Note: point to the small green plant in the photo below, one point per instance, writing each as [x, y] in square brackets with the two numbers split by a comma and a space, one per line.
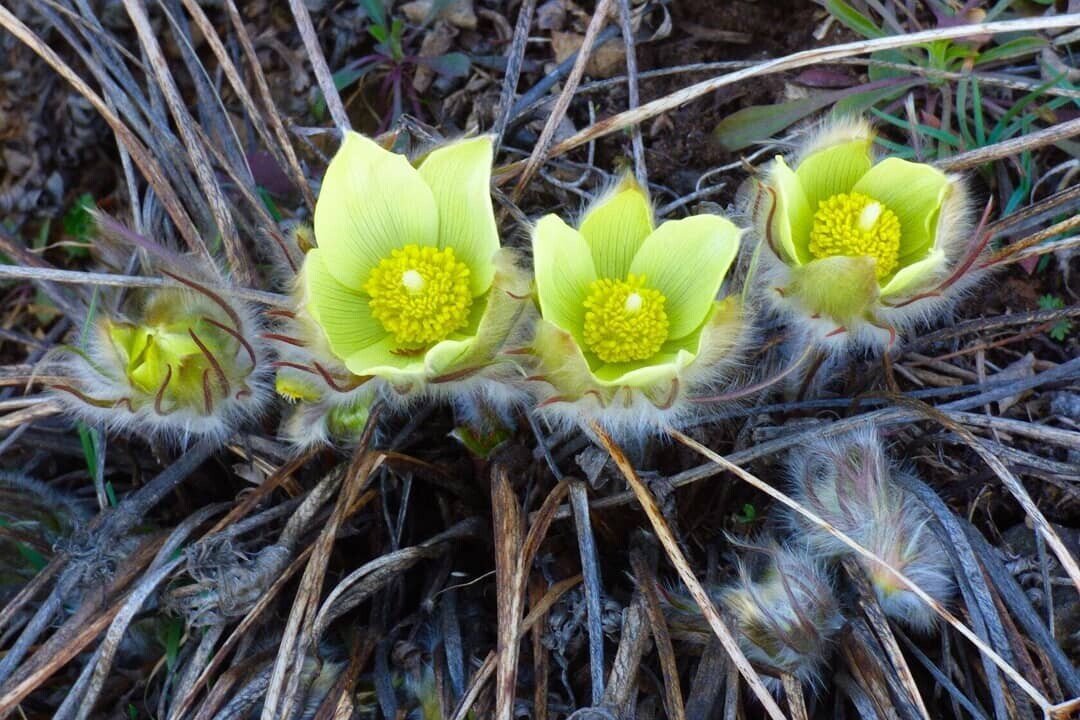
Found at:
[961, 106]
[395, 62]
[1061, 329]
[79, 225]
[748, 515]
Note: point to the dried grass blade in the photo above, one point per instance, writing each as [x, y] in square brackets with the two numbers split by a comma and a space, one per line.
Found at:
[1010, 481]
[794, 693]
[148, 165]
[204, 171]
[671, 547]
[879, 624]
[488, 667]
[590, 570]
[509, 582]
[293, 162]
[76, 277]
[296, 638]
[646, 583]
[622, 686]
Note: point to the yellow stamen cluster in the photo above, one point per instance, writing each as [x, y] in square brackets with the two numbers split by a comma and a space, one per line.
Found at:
[855, 225]
[420, 295]
[624, 320]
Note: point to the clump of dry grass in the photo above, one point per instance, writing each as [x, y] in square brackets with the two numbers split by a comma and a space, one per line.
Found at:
[417, 579]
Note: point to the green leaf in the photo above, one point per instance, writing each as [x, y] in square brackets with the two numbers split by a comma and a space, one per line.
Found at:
[78, 221]
[860, 102]
[375, 10]
[759, 122]
[896, 57]
[936, 133]
[1051, 302]
[268, 202]
[379, 32]
[1061, 329]
[853, 19]
[1018, 47]
[89, 450]
[32, 557]
[451, 65]
[748, 514]
[174, 631]
[342, 79]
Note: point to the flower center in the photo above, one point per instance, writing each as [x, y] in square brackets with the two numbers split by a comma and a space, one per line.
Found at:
[624, 320]
[420, 295]
[854, 225]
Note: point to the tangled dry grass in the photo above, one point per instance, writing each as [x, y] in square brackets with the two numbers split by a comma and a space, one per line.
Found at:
[557, 574]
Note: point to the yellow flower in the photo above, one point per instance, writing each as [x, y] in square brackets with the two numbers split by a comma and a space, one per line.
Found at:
[408, 283]
[859, 241]
[631, 308]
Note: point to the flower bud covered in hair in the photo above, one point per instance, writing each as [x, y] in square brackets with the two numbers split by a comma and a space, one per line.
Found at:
[185, 362]
[849, 483]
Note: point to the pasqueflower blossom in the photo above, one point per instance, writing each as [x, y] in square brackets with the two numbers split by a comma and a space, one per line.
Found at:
[408, 286]
[631, 324]
[856, 250]
[186, 362]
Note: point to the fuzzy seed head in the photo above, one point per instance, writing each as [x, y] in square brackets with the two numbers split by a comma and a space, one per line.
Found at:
[420, 295]
[854, 225]
[624, 320]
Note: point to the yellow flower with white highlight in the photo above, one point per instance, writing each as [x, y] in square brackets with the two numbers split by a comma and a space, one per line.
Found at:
[408, 285]
[858, 249]
[631, 324]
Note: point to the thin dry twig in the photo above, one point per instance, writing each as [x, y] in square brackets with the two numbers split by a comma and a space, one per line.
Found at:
[686, 574]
